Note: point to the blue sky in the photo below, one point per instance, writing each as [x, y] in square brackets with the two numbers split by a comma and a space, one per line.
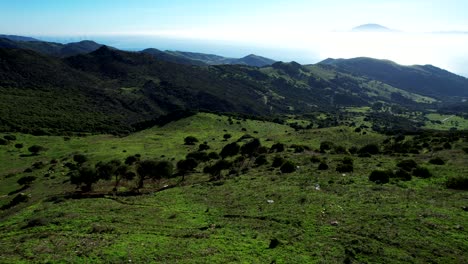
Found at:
[305, 31]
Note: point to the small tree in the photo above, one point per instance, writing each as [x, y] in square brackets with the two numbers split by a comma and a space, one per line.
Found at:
[422, 172]
[146, 168]
[277, 147]
[84, 177]
[380, 177]
[130, 160]
[203, 146]
[186, 165]
[251, 147]
[80, 158]
[226, 136]
[190, 140]
[277, 162]
[35, 149]
[26, 180]
[370, 149]
[230, 150]
[288, 167]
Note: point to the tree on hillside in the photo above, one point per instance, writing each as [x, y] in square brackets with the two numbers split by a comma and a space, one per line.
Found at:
[84, 177]
[186, 165]
[153, 169]
[230, 150]
[35, 149]
[190, 140]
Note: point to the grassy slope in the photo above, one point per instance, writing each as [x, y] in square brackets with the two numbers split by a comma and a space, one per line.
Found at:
[231, 221]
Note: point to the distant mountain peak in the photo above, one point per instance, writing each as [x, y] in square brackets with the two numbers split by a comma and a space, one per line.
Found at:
[371, 28]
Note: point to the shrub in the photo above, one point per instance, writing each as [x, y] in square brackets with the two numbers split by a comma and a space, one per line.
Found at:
[364, 155]
[407, 165]
[226, 136]
[3, 142]
[190, 140]
[203, 146]
[322, 166]
[457, 183]
[403, 175]
[465, 150]
[422, 172]
[10, 137]
[35, 149]
[230, 150]
[447, 145]
[251, 147]
[80, 158]
[261, 160]
[187, 165]
[353, 150]
[347, 160]
[326, 145]
[288, 167]
[84, 177]
[198, 156]
[380, 177]
[19, 198]
[131, 160]
[437, 161]
[277, 147]
[105, 170]
[26, 180]
[213, 155]
[315, 159]
[344, 168]
[19, 145]
[370, 148]
[277, 162]
[340, 150]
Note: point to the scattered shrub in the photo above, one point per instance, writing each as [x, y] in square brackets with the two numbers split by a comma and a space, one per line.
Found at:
[35, 149]
[437, 161]
[315, 159]
[288, 167]
[353, 150]
[370, 149]
[3, 142]
[457, 183]
[199, 156]
[407, 165]
[422, 172]
[277, 147]
[80, 158]
[10, 137]
[226, 136]
[340, 150]
[277, 162]
[261, 160]
[322, 166]
[325, 146]
[187, 165]
[130, 160]
[230, 150]
[190, 140]
[347, 160]
[344, 168]
[447, 145]
[403, 175]
[251, 147]
[380, 177]
[26, 180]
[203, 146]
[213, 155]
[19, 145]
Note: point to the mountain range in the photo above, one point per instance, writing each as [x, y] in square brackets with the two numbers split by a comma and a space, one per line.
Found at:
[113, 91]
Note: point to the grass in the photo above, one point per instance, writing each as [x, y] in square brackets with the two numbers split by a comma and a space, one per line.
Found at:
[445, 122]
[316, 216]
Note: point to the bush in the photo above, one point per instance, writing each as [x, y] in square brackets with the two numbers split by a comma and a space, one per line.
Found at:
[322, 166]
[261, 160]
[277, 147]
[80, 158]
[347, 160]
[277, 162]
[422, 172]
[380, 177]
[3, 142]
[213, 155]
[19, 198]
[353, 150]
[457, 183]
[407, 165]
[190, 140]
[203, 146]
[447, 145]
[344, 168]
[19, 145]
[403, 175]
[370, 149]
[230, 150]
[35, 149]
[10, 137]
[187, 165]
[251, 147]
[315, 159]
[288, 167]
[326, 145]
[131, 160]
[340, 150]
[199, 156]
[26, 180]
[437, 161]
[226, 136]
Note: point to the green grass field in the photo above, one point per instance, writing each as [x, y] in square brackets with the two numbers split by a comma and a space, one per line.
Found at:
[260, 216]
